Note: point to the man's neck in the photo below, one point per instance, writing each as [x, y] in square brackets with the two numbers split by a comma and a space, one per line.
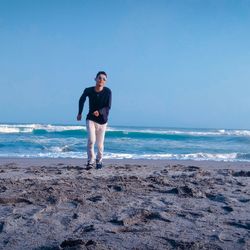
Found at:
[98, 89]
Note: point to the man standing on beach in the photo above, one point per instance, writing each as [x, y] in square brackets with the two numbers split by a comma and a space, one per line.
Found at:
[97, 118]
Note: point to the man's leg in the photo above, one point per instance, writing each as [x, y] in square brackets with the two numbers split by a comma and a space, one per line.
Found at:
[91, 141]
[100, 134]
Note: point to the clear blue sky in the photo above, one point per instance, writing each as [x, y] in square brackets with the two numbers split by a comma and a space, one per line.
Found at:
[170, 63]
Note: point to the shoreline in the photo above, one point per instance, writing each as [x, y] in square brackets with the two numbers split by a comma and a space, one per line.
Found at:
[158, 162]
[48, 203]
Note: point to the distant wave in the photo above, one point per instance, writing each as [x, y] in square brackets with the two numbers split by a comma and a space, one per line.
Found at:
[116, 131]
[218, 132]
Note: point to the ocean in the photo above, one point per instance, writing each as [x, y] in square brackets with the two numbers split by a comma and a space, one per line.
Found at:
[60, 141]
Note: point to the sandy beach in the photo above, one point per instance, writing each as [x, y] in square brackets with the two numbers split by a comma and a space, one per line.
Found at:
[129, 204]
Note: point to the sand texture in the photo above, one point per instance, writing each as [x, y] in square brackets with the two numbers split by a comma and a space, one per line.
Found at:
[58, 204]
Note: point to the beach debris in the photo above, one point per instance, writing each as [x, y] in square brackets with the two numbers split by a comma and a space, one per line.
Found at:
[72, 243]
[95, 198]
[192, 245]
[14, 200]
[85, 228]
[182, 191]
[3, 189]
[227, 209]
[239, 224]
[116, 187]
[1, 226]
[52, 200]
[241, 173]
[244, 200]
[192, 168]
[216, 197]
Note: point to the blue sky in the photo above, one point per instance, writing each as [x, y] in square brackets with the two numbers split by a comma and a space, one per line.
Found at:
[169, 63]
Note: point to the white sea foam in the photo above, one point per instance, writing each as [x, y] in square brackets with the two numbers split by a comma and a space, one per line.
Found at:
[8, 129]
[58, 153]
[46, 155]
[57, 128]
[29, 128]
[238, 132]
[58, 149]
[195, 156]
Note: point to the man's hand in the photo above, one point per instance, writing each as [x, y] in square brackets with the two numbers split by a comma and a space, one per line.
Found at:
[79, 118]
[96, 113]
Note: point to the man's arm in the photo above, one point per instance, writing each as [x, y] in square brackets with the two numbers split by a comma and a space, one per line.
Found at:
[105, 110]
[81, 104]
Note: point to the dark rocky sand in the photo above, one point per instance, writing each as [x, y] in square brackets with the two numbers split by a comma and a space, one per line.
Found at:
[58, 204]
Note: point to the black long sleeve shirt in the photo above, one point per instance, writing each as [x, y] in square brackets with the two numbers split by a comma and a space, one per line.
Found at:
[100, 101]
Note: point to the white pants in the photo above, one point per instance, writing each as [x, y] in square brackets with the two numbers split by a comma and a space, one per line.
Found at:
[96, 134]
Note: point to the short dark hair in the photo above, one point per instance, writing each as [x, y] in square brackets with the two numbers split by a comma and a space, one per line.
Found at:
[101, 73]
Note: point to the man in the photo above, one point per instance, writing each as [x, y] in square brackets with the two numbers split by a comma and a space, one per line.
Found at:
[97, 118]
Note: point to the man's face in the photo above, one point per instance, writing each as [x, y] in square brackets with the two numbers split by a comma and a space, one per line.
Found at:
[101, 80]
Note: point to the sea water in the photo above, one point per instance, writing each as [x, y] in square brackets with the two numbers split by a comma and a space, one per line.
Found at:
[59, 141]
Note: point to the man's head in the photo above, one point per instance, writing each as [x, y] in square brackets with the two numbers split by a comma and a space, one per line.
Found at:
[101, 78]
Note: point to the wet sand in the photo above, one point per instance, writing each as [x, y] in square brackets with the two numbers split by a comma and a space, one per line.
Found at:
[129, 204]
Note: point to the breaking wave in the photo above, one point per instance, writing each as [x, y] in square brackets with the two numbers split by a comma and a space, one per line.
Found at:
[112, 131]
[62, 153]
